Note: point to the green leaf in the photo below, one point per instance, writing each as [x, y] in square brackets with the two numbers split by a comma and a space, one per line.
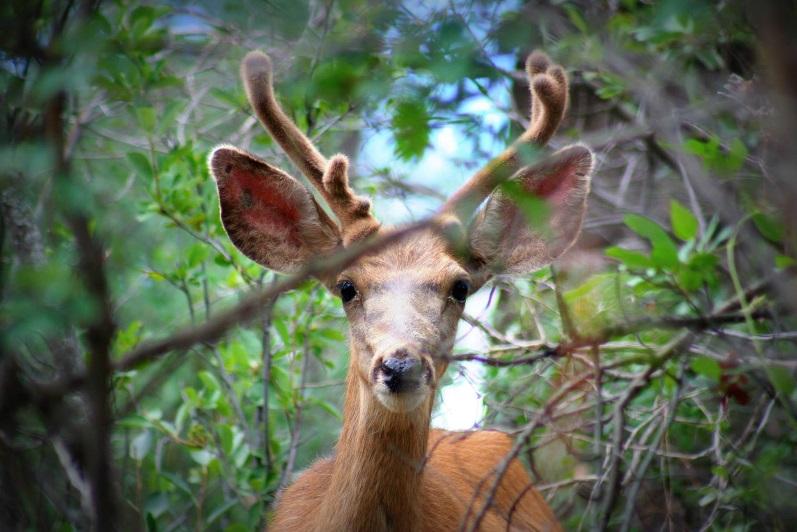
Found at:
[140, 162]
[333, 334]
[664, 252]
[700, 268]
[145, 16]
[218, 512]
[157, 504]
[783, 261]
[411, 129]
[632, 259]
[226, 438]
[152, 525]
[210, 381]
[707, 367]
[715, 157]
[201, 456]
[720, 471]
[237, 527]
[328, 408]
[707, 499]
[282, 330]
[684, 224]
[769, 228]
[576, 19]
[127, 337]
[179, 483]
[598, 303]
[782, 380]
[196, 254]
[736, 155]
[155, 276]
[535, 210]
[700, 148]
[147, 118]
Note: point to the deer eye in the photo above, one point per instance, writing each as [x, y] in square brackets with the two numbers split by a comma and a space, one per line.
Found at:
[347, 291]
[460, 291]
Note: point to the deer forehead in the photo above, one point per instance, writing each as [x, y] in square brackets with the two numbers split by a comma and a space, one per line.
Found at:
[403, 300]
[421, 261]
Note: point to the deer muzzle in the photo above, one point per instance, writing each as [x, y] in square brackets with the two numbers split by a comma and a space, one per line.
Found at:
[401, 374]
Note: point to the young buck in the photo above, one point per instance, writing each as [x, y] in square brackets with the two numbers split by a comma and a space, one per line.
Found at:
[390, 470]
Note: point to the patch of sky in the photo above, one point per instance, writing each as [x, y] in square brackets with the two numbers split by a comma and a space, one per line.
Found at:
[448, 161]
[459, 404]
[189, 23]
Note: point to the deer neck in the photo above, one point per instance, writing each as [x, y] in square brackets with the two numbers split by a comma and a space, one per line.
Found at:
[375, 483]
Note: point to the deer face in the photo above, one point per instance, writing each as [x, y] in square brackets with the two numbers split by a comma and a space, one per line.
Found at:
[403, 301]
[403, 305]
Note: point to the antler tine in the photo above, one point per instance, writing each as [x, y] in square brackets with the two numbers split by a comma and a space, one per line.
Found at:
[548, 86]
[549, 98]
[353, 211]
[329, 177]
[256, 72]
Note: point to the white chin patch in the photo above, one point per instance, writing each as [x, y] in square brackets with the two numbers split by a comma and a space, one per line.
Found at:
[401, 403]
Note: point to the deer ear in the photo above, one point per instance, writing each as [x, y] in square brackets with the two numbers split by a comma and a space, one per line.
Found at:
[272, 218]
[500, 237]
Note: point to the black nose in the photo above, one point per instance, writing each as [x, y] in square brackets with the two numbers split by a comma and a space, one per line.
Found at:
[401, 373]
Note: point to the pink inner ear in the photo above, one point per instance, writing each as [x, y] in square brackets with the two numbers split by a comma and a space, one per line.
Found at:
[263, 205]
[555, 185]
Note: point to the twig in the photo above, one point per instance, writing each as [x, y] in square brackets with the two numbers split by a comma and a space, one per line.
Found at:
[625, 522]
[566, 482]
[521, 440]
[499, 363]
[266, 361]
[630, 327]
[665, 354]
[296, 430]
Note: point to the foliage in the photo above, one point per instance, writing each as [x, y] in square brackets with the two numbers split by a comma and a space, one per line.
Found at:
[670, 323]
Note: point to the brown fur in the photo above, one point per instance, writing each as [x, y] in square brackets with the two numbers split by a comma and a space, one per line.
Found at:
[456, 464]
[393, 473]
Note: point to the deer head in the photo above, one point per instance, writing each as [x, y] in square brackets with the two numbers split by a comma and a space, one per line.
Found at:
[403, 301]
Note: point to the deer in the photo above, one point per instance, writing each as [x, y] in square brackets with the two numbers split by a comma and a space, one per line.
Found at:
[390, 470]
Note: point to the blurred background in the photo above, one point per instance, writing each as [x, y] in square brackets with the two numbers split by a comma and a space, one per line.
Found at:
[666, 399]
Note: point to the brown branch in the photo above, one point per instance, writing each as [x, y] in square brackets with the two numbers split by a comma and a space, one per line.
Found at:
[547, 352]
[633, 326]
[99, 333]
[248, 309]
[266, 360]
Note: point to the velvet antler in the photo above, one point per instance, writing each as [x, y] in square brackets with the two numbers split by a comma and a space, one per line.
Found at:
[548, 85]
[329, 177]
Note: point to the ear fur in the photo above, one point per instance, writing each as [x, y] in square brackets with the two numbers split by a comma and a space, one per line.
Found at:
[500, 238]
[272, 218]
